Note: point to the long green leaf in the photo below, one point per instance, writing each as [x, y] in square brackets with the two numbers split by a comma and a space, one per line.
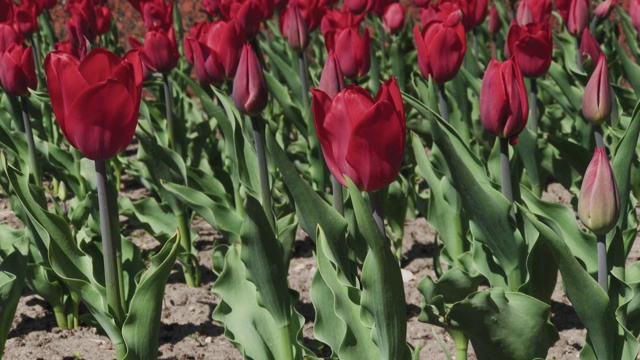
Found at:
[13, 269]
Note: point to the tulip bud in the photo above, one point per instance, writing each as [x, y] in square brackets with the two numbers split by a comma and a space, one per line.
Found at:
[524, 16]
[294, 28]
[393, 18]
[589, 48]
[249, 86]
[634, 14]
[17, 70]
[598, 96]
[441, 47]
[604, 9]
[599, 202]
[352, 49]
[575, 14]
[8, 36]
[332, 79]
[494, 20]
[532, 47]
[504, 107]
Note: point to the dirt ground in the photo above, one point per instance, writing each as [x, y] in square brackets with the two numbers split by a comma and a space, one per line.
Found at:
[189, 333]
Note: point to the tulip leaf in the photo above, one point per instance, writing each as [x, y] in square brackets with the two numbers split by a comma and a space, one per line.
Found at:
[571, 93]
[13, 271]
[383, 303]
[630, 33]
[290, 110]
[528, 152]
[631, 69]
[141, 328]
[147, 214]
[289, 73]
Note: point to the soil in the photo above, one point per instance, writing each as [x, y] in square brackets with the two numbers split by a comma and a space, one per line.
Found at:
[189, 333]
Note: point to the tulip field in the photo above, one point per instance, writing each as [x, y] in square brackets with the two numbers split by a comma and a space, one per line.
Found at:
[319, 179]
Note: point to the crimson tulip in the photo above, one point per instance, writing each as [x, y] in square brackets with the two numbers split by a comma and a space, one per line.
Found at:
[494, 20]
[504, 107]
[157, 14]
[598, 95]
[604, 8]
[531, 45]
[312, 11]
[26, 17]
[393, 18]
[96, 101]
[441, 47]
[6, 11]
[294, 28]
[250, 92]
[575, 14]
[361, 137]
[589, 47]
[533, 11]
[335, 20]
[447, 12]
[352, 50]
[160, 51]
[17, 70]
[474, 11]
[8, 36]
[356, 6]
[332, 79]
[599, 201]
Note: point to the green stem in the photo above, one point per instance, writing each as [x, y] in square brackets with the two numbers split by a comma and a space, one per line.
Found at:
[533, 106]
[285, 338]
[597, 133]
[442, 97]
[33, 162]
[376, 210]
[461, 342]
[302, 66]
[337, 195]
[191, 273]
[505, 170]
[265, 192]
[171, 126]
[602, 263]
[112, 283]
[61, 317]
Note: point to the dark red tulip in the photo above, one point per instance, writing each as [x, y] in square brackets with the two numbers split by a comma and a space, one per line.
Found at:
[25, 16]
[6, 11]
[589, 48]
[441, 47]
[356, 6]
[68, 48]
[575, 14]
[597, 100]
[250, 92]
[160, 51]
[157, 14]
[494, 20]
[474, 11]
[352, 50]
[8, 36]
[447, 12]
[533, 11]
[336, 19]
[531, 45]
[332, 79]
[394, 17]
[312, 11]
[215, 53]
[504, 107]
[17, 70]
[103, 20]
[294, 28]
[96, 101]
[361, 137]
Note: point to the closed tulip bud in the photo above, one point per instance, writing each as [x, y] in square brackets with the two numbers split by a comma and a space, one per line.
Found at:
[599, 202]
[589, 49]
[353, 51]
[598, 96]
[533, 11]
[8, 36]
[604, 9]
[393, 18]
[575, 14]
[504, 107]
[294, 28]
[361, 137]
[532, 47]
[332, 79]
[494, 20]
[160, 51]
[17, 70]
[441, 47]
[249, 86]
[96, 101]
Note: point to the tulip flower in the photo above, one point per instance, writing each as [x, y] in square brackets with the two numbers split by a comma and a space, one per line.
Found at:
[356, 6]
[312, 11]
[361, 137]
[589, 48]
[335, 20]
[26, 17]
[533, 11]
[160, 51]
[494, 20]
[441, 47]
[294, 28]
[474, 11]
[504, 107]
[393, 18]
[604, 8]
[599, 202]
[598, 95]
[17, 70]
[6, 11]
[352, 50]
[575, 14]
[8, 36]
[446, 12]
[96, 101]
[332, 79]
[532, 46]
[634, 14]
[157, 14]
[249, 86]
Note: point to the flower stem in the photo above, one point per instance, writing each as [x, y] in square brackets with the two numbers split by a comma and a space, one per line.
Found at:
[597, 133]
[109, 251]
[33, 162]
[265, 192]
[337, 195]
[444, 109]
[168, 99]
[533, 106]
[302, 66]
[376, 209]
[602, 263]
[461, 342]
[505, 170]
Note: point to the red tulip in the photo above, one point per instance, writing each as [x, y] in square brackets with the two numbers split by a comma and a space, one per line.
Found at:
[361, 137]
[504, 107]
[157, 14]
[494, 20]
[575, 14]
[474, 11]
[96, 101]
[17, 70]
[533, 11]
[634, 13]
[447, 12]
[216, 52]
[103, 20]
[68, 48]
[599, 201]
[356, 6]
[6, 11]
[250, 92]
[294, 28]
[394, 17]
[332, 79]
[598, 95]
[8, 36]
[335, 20]
[26, 17]
[531, 45]
[589, 47]
[604, 8]
[160, 51]
[441, 47]
[312, 11]
[352, 50]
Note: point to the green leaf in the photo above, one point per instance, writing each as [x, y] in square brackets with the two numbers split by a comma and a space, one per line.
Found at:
[13, 270]
[630, 68]
[154, 218]
[141, 328]
[383, 303]
[573, 94]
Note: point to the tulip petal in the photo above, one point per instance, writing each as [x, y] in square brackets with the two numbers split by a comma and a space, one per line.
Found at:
[64, 82]
[450, 52]
[423, 52]
[98, 66]
[321, 105]
[493, 99]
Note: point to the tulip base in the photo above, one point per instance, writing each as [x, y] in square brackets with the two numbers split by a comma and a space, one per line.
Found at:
[602, 263]
[376, 210]
[597, 134]
[461, 342]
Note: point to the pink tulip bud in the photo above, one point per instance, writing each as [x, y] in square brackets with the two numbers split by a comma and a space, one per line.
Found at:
[332, 79]
[294, 28]
[494, 20]
[394, 16]
[598, 96]
[249, 86]
[604, 9]
[589, 48]
[599, 202]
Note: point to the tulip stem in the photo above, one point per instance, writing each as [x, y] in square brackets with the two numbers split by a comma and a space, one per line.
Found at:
[168, 99]
[265, 192]
[337, 195]
[444, 109]
[304, 84]
[602, 263]
[533, 106]
[33, 162]
[506, 171]
[109, 251]
[376, 210]
[597, 133]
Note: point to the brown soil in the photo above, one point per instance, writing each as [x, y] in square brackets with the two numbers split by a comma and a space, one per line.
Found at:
[189, 333]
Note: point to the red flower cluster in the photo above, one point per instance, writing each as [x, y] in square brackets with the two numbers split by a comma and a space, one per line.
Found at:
[160, 50]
